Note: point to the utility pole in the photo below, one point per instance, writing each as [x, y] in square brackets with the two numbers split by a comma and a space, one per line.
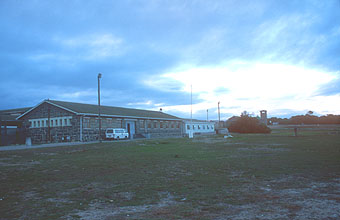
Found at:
[100, 122]
[219, 118]
[191, 132]
[207, 115]
[191, 105]
[49, 124]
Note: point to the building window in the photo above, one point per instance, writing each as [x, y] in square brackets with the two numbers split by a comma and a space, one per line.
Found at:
[109, 121]
[193, 127]
[34, 124]
[149, 124]
[61, 122]
[30, 124]
[203, 127]
[172, 125]
[188, 127]
[38, 124]
[178, 124]
[86, 123]
[47, 124]
[69, 122]
[51, 123]
[155, 124]
[56, 122]
[42, 123]
[141, 124]
[65, 122]
[198, 127]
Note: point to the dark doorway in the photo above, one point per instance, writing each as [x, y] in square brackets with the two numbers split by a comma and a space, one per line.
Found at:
[128, 129]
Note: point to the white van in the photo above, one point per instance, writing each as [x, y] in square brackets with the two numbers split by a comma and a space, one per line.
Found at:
[116, 133]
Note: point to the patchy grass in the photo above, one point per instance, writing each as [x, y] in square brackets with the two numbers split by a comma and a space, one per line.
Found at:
[264, 176]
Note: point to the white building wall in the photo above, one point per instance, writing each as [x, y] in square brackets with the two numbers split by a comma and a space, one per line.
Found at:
[199, 127]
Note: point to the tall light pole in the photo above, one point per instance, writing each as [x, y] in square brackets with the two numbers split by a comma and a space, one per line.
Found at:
[191, 132]
[219, 118]
[99, 119]
[191, 106]
[207, 114]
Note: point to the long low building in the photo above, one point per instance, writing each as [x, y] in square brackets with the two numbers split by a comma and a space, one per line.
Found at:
[198, 126]
[58, 121]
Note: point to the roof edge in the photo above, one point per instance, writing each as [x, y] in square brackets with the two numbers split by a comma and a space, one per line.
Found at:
[45, 101]
[123, 116]
[92, 114]
[62, 107]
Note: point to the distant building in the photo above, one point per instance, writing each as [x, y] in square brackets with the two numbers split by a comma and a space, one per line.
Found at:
[11, 130]
[58, 121]
[263, 116]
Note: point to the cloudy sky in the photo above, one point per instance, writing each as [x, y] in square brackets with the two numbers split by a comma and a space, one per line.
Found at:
[282, 56]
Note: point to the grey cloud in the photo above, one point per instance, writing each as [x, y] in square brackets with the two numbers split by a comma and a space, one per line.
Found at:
[156, 36]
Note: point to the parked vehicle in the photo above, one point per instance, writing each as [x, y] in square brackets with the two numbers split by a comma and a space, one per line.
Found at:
[116, 133]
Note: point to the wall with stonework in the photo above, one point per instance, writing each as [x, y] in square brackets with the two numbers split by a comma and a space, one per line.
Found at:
[90, 126]
[57, 133]
[159, 128]
[146, 128]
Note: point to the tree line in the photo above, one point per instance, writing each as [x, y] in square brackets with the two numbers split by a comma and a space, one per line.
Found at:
[247, 124]
[307, 119]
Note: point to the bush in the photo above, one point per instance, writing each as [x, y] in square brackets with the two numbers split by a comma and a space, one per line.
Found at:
[246, 124]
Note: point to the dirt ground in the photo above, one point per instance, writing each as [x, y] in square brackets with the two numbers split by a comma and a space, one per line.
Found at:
[210, 177]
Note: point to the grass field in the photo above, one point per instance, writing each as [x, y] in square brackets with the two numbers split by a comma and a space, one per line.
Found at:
[273, 176]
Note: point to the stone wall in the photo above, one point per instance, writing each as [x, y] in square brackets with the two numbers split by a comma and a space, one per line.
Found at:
[58, 133]
[147, 128]
[159, 128]
[90, 126]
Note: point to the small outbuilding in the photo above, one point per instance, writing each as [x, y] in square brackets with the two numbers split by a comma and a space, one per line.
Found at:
[198, 126]
[12, 130]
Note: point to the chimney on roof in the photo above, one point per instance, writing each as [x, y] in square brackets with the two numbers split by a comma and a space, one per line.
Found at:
[160, 109]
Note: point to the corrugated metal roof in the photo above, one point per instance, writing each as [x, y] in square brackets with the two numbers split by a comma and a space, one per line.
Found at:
[14, 111]
[90, 109]
[197, 120]
[11, 114]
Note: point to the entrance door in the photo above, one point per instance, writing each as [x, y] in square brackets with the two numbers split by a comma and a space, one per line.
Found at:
[130, 127]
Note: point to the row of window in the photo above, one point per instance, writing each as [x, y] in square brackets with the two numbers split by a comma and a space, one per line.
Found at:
[88, 123]
[199, 127]
[53, 122]
[156, 124]
[91, 122]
